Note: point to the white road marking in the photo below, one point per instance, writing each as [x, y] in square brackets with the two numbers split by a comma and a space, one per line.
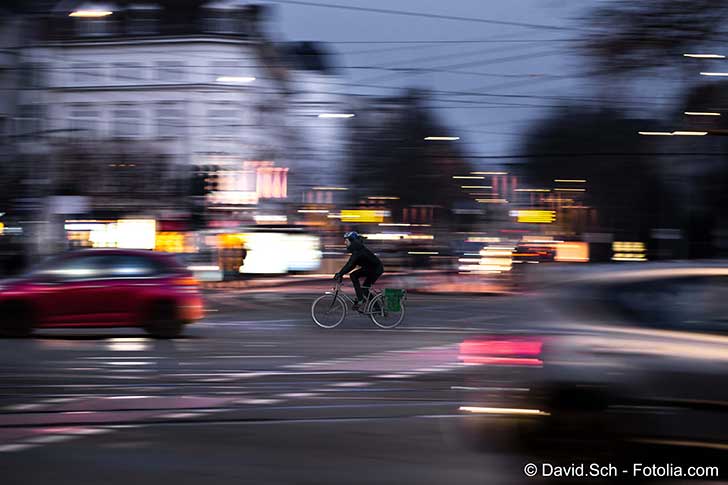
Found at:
[258, 401]
[351, 384]
[248, 322]
[53, 438]
[430, 370]
[16, 447]
[423, 360]
[180, 415]
[89, 431]
[136, 357]
[23, 407]
[255, 357]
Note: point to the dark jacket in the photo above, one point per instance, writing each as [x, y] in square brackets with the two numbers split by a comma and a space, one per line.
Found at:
[363, 257]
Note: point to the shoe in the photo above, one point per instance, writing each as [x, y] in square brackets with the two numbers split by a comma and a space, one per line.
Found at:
[358, 306]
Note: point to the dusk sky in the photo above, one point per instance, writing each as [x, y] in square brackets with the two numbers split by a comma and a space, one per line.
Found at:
[514, 60]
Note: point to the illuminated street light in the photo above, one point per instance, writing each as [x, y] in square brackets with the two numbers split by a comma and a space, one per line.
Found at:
[235, 79]
[714, 73]
[90, 13]
[705, 56]
[468, 177]
[489, 173]
[476, 186]
[336, 115]
[570, 181]
[491, 201]
[442, 138]
[674, 133]
[701, 113]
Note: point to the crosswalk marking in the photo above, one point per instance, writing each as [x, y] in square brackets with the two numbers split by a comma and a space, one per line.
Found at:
[423, 360]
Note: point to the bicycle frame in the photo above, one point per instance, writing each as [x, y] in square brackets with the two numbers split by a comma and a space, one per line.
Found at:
[337, 293]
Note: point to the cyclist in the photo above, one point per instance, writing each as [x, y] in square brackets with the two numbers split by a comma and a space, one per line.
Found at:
[370, 267]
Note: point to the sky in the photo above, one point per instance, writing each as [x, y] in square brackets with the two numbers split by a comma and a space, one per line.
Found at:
[515, 60]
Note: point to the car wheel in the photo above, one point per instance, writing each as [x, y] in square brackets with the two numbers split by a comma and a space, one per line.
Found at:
[163, 321]
[579, 421]
[16, 320]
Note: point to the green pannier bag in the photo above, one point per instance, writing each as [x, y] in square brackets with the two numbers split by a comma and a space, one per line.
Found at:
[393, 298]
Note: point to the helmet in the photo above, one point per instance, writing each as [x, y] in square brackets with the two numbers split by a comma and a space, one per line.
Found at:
[352, 236]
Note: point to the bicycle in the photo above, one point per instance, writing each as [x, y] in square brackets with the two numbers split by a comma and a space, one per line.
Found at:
[331, 308]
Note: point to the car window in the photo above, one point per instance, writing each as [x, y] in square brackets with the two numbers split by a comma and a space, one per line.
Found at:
[130, 266]
[73, 268]
[694, 304]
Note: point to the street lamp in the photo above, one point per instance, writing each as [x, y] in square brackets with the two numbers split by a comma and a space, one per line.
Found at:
[90, 13]
[235, 79]
[336, 115]
[701, 113]
[442, 138]
[705, 56]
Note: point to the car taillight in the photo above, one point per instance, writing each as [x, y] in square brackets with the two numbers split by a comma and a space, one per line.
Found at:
[502, 351]
[185, 281]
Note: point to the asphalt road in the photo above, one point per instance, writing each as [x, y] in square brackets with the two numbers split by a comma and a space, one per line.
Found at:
[253, 394]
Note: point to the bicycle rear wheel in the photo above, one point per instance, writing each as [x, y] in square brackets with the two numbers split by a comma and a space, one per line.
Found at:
[382, 317]
[328, 311]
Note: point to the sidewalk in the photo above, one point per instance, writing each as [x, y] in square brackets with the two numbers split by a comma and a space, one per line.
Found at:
[420, 281]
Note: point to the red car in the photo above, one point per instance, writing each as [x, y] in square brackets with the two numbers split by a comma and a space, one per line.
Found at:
[102, 288]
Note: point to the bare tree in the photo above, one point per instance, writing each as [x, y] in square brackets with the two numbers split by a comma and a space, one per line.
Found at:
[632, 35]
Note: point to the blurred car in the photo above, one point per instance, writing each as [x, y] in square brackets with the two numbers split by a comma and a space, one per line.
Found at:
[625, 362]
[102, 288]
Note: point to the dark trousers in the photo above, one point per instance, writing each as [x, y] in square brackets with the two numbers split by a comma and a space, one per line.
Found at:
[369, 275]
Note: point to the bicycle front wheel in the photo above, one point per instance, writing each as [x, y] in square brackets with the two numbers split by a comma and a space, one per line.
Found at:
[328, 311]
[382, 317]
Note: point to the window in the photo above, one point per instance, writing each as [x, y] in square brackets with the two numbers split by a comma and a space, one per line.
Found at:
[222, 21]
[125, 72]
[127, 122]
[170, 120]
[694, 303]
[129, 266]
[223, 121]
[143, 20]
[87, 73]
[84, 120]
[92, 27]
[32, 75]
[170, 71]
[72, 269]
[29, 120]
